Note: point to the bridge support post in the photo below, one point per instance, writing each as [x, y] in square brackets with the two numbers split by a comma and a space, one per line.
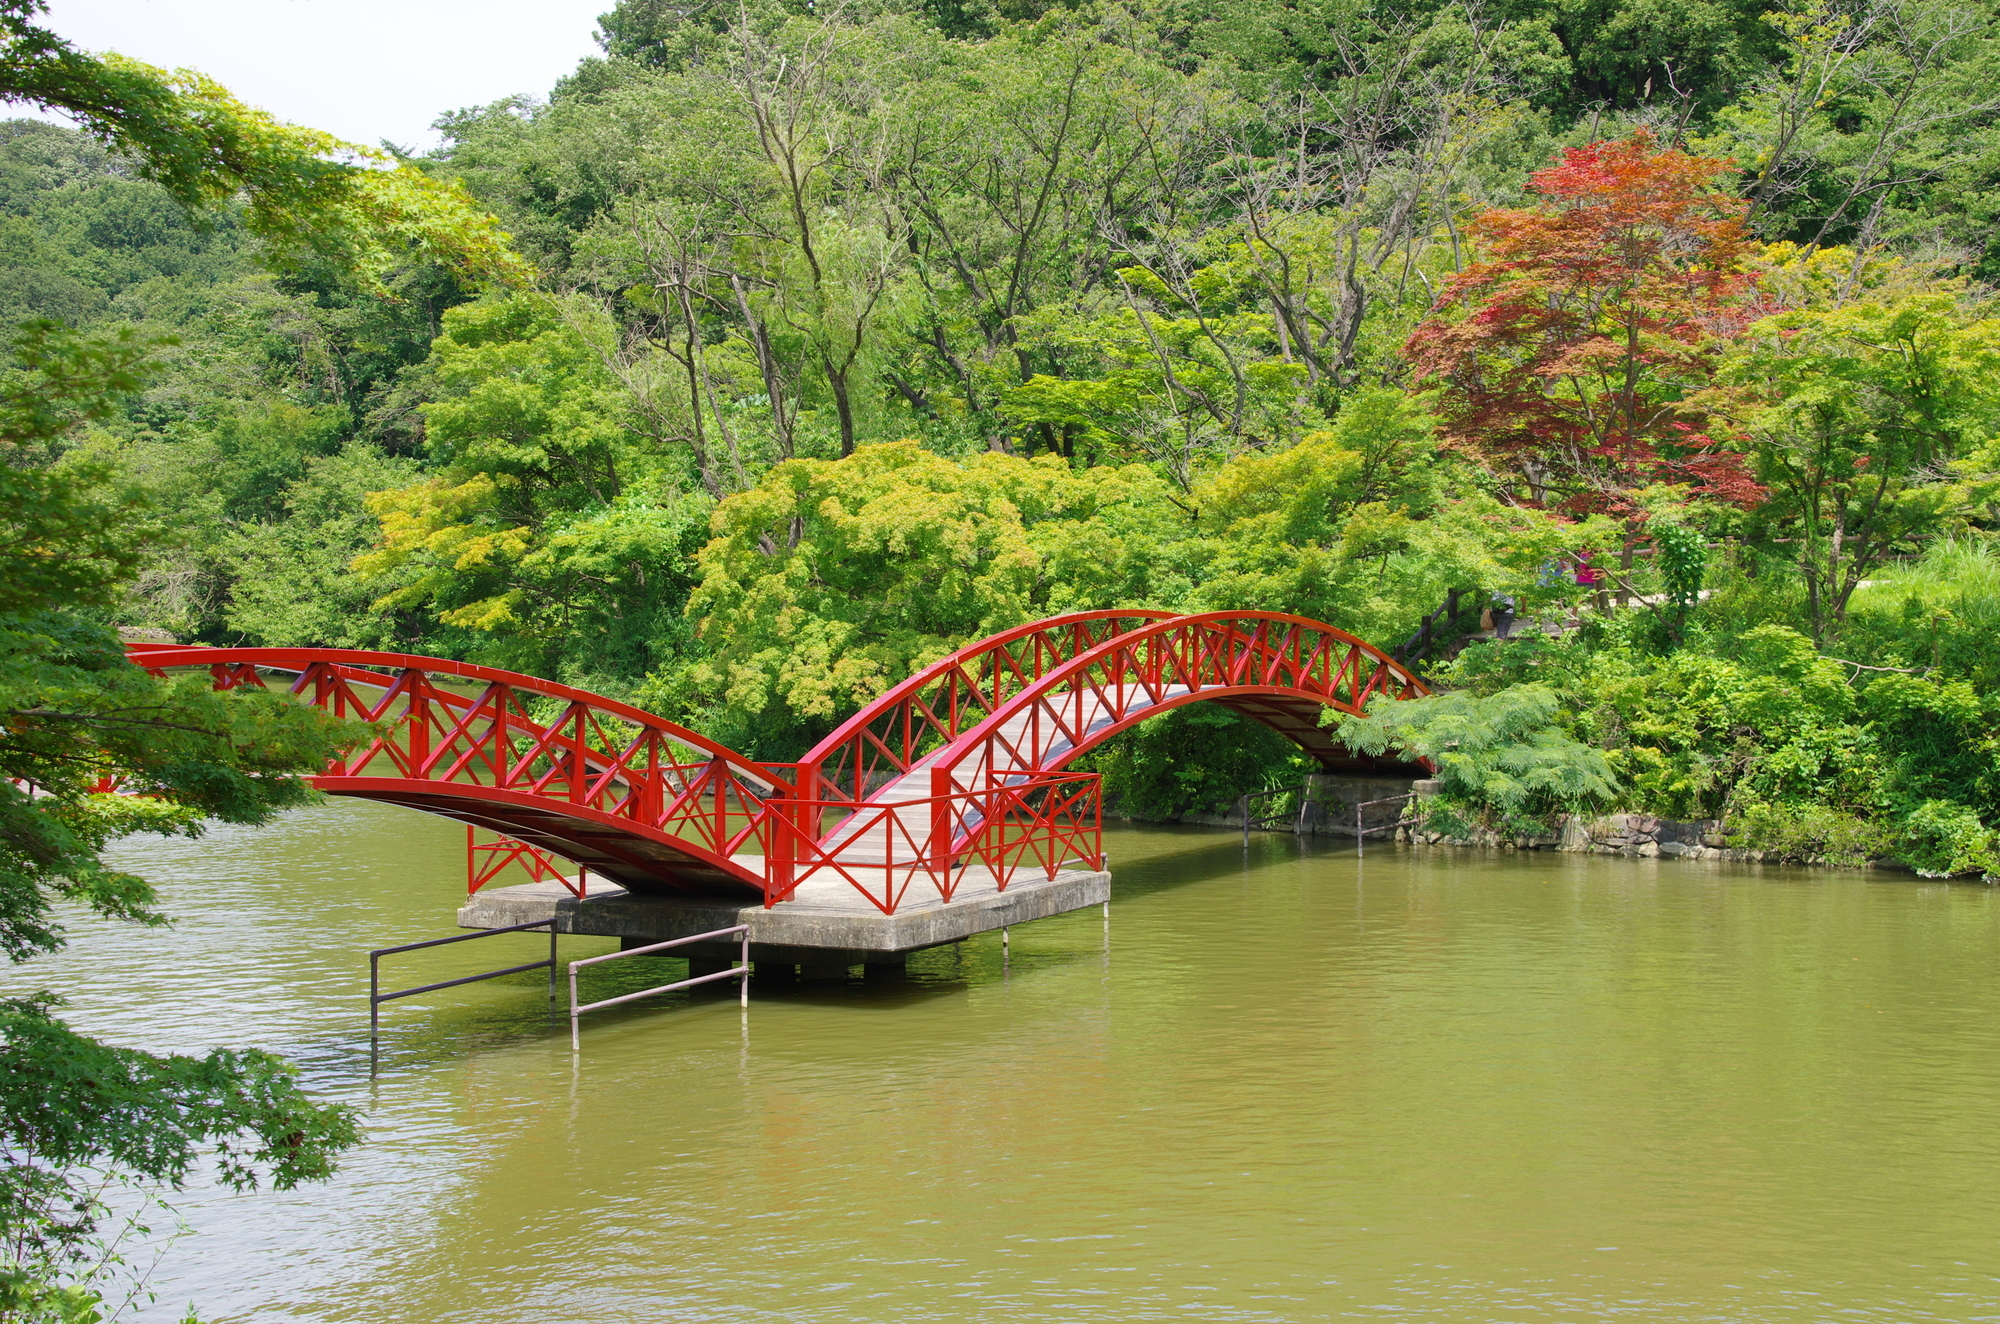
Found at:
[940, 843]
[783, 845]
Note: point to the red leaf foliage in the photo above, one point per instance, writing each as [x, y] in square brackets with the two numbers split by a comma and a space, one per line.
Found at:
[1569, 352]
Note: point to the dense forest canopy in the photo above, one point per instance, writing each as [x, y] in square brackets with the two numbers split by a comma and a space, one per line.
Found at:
[856, 332]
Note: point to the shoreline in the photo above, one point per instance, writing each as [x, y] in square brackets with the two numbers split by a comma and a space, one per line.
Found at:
[1634, 835]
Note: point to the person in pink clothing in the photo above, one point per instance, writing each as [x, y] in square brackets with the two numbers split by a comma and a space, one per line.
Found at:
[1589, 577]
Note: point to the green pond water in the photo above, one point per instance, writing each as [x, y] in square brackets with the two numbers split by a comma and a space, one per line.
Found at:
[1279, 1084]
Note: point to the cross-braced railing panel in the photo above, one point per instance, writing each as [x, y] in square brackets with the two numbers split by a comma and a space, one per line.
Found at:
[1141, 672]
[486, 860]
[882, 850]
[925, 713]
[477, 733]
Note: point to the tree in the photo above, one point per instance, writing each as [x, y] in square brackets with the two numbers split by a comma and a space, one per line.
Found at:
[1368, 524]
[1877, 127]
[76, 716]
[836, 253]
[79, 723]
[1568, 354]
[829, 581]
[1339, 187]
[306, 192]
[1686, 57]
[1871, 425]
[73, 1111]
[1018, 163]
[545, 515]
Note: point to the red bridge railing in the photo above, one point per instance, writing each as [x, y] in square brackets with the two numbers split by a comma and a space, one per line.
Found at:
[1283, 670]
[627, 794]
[881, 849]
[957, 769]
[552, 768]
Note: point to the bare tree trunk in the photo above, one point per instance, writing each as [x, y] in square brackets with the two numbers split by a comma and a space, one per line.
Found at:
[767, 368]
[836, 380]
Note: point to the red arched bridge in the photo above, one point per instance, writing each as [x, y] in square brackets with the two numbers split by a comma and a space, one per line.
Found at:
[960, 766]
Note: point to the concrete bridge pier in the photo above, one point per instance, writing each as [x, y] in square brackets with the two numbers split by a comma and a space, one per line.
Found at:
[786, 964]
[822, 934]
[823, 968]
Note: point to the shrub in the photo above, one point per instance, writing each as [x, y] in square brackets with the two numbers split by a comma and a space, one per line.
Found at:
[1810, 833]
[1942, 840]
[1503, 750]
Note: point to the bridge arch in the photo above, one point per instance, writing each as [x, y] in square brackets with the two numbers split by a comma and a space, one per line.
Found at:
[893, 733]
[1278, 669]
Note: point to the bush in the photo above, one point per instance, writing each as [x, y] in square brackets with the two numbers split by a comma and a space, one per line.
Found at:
[1503, 751]
[1942, 840]
[1809, 833]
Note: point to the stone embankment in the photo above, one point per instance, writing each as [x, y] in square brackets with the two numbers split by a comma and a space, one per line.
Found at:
[1326, 808]
[1638, 835]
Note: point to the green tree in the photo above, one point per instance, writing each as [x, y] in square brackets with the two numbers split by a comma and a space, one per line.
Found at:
[307, 192]
[76, 716]
[1872, 426]
[1368, 524]
[545, 522]
[1571, 57]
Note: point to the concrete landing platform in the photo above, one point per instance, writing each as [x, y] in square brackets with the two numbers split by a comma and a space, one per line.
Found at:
[825, 923]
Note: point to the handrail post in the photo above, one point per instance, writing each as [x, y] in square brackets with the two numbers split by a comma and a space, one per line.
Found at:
[940, 851]
[781, 848]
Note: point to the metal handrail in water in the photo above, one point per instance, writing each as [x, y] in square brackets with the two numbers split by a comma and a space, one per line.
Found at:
[376, 997]
[741, 972]
[1360, 833]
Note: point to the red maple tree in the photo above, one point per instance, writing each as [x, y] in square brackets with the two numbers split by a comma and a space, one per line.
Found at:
[1569, 353]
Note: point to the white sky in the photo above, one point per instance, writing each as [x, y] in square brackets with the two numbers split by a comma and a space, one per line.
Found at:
[363, 70]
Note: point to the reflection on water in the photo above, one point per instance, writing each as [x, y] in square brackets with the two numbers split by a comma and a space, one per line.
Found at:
[1277, 1086]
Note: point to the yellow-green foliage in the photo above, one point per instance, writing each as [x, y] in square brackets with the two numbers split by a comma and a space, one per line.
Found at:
[831, 580]
[1367, 526]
